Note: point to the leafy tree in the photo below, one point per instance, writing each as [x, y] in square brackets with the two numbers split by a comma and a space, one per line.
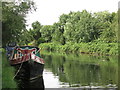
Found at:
[78, 27]
[25, 38]
[58, 36]
[109, 26]
[46, 32]
[36, 30]
[13, 20]
[86, 27]
[81, 27]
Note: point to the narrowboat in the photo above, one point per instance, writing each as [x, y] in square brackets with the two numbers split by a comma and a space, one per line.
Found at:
[28, 64]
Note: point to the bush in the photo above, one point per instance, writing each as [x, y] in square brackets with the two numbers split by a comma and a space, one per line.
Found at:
[91, 47]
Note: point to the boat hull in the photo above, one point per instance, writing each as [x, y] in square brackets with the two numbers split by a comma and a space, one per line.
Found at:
[28, 65]
[30, 75]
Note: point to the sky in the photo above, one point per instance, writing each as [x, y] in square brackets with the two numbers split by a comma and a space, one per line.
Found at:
[49, 11]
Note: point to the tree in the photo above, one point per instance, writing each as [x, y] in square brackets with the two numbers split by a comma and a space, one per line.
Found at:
[25, 38]
[81, 27]
[36, 30]
[13, 20]
[110, 32]
[46, 32]
[57, 35]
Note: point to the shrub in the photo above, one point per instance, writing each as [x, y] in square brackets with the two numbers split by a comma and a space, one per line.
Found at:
[91, 47]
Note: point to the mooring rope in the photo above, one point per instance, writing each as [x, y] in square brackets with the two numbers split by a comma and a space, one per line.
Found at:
[18, 70]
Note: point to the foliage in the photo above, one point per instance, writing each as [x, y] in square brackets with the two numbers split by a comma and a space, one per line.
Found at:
[74, 32]
[13, 20]
[24, 38]
[57, 35]
[85, 32]
[7, 74]
[46, 32]
[35, 33]
[82, 26]
[36, 30]
[109, 25]
[97, 48]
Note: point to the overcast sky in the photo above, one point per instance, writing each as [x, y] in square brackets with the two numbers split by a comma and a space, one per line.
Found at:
[48, 11]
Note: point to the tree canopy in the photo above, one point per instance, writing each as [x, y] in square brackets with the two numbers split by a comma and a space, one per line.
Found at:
[74, 27]
[84, 26]
[13, 20]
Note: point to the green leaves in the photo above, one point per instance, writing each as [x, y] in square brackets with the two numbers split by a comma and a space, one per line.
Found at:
[78, 27]
[46, 32]
[13, 20]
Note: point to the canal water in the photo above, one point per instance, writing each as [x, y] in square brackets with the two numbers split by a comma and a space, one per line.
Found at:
[79, 71]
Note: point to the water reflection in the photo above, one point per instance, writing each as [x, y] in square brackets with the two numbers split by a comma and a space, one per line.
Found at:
[80, 71]
[50, 79]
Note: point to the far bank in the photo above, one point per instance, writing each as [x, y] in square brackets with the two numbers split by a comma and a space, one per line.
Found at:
[95, 48]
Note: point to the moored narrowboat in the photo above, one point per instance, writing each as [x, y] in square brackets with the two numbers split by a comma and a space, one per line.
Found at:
[28, 64]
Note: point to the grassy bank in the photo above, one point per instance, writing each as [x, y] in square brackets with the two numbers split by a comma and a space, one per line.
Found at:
[99, 48]
[7, 74]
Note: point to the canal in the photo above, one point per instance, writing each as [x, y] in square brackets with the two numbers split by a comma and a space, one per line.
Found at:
[75, 71]
[80, 71]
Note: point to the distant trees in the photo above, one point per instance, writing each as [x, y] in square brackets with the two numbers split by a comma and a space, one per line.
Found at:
[46, 32]
[108, 25]
[58, 35]
[80, 27]
[77, 27]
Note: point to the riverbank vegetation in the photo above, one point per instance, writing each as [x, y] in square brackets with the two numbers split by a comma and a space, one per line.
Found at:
[99, 48]
[7, 74]
[83, 32]
[13, 30]
[76, 32]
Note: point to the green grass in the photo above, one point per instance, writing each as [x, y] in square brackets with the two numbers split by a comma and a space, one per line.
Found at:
[7, 74]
